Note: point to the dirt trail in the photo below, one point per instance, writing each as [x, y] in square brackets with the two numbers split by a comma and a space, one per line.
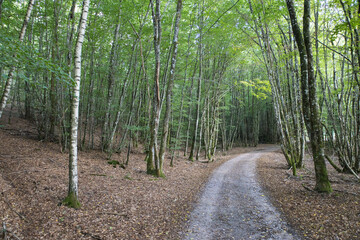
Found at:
[233, 205]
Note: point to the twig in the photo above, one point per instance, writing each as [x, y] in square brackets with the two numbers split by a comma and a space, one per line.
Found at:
[91, 235]
[221, 16]
[306, 187]
[4, 231]
[14, 235]
[21, 216]
[95, 174]
[334, 51]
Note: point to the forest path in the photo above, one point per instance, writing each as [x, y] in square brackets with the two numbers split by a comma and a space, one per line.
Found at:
[233, 205]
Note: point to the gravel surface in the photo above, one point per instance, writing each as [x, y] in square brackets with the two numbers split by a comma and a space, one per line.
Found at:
[233, 205]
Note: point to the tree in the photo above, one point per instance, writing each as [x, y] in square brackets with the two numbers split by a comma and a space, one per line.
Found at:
[198, 92]
[9, 80]
[73, 191]
[309, 98]
[106, 142]
[170, 83]
[153, 155]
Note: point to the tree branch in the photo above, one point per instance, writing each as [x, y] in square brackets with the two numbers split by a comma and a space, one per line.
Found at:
[334, 50]
[221, 17]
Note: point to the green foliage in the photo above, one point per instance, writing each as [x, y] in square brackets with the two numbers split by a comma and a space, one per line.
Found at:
[14, 53]
[114, 163]
[136, 128]
[259, 88]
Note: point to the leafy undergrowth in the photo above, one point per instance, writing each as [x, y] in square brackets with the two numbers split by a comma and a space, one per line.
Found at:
[313, 215]
[116, 203]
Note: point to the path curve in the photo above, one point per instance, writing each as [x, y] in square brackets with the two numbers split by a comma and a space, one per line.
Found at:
[233, 205]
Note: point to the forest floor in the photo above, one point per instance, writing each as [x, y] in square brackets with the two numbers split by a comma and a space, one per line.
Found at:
[129, 204]
[116, 203]
[313, 215]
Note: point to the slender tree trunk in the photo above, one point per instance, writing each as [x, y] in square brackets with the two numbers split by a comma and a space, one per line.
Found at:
[198, 96]
[189, 113]
[90, 103]
[134, 94]
[27, 85]
[9, 80]
[153, 155]
[309, 98]
[72, 199]
[110, 140]
[170, 83]
[111, 82]
[54, 57]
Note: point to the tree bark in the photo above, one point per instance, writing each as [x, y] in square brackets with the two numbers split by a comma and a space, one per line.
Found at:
[309, 98]
[198, 95]
[153, 155]
[72, 199]
[111, 82]
[55, 57]
[170, 83]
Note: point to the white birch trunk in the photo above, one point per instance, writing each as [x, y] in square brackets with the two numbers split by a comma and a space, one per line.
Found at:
[9, 80]
[73, 172]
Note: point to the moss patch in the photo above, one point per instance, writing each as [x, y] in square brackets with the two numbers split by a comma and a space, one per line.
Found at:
[72, 201]
[114, 163]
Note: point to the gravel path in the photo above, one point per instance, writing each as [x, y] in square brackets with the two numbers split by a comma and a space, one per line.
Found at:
[233, 205]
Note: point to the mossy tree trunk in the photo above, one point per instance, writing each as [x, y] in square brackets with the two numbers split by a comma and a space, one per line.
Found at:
[152, 157]
[309, 98]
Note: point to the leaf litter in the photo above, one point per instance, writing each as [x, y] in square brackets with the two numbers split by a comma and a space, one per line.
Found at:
[116, 203]
[314, 215]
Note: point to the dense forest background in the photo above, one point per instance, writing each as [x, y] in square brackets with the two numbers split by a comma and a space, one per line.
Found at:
[187, 77]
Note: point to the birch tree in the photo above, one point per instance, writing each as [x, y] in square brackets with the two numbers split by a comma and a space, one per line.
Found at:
[73, 191]
[9, 80]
